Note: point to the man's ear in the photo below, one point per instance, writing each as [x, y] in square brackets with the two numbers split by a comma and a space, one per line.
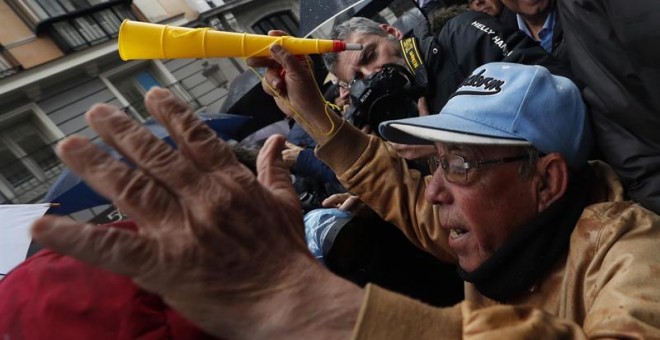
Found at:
[391, 30]
[553, 175]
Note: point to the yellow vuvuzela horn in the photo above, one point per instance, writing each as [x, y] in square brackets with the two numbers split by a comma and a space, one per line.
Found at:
[141, 40]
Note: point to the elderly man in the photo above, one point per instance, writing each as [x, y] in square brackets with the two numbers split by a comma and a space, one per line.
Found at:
[544, 239]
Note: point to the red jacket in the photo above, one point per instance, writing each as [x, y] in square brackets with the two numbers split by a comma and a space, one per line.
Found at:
[51, 296]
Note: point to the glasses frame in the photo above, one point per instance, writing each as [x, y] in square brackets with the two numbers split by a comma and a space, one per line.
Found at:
[455, 177]
[346, 85]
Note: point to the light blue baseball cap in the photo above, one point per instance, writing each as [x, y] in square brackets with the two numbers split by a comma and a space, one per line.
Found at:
[506, 104]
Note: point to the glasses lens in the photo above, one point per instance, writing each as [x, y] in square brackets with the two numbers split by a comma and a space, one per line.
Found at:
[454, 168]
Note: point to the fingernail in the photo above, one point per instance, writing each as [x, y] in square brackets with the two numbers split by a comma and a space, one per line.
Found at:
[71, 145]
[275, 48]
[100, 113]
[158, 93]
[42, 225]
[275, 84]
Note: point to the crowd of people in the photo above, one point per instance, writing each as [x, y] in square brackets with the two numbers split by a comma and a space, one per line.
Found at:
[541, 186]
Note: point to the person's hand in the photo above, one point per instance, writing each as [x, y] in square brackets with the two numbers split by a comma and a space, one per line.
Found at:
[344, 201]
[223, 248]
[290, 154]
[296, 93]
[422, 107]
[412, 152]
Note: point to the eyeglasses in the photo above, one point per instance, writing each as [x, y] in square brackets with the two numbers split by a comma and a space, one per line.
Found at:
[346, 85]
[455, 168]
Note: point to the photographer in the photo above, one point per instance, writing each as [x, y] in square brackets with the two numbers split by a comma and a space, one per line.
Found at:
[392, 72]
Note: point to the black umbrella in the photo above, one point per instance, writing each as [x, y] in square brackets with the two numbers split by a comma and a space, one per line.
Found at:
[313, 13]
[246, 97]
[73, 194]
[318, 16]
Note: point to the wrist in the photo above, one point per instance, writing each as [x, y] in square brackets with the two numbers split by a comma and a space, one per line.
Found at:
[321, 123]
[302, 300]
[313, 304]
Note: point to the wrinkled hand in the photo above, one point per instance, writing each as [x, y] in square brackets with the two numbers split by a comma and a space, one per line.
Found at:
[296, 94]
[290, 154]
[412, 152]
[222, 247]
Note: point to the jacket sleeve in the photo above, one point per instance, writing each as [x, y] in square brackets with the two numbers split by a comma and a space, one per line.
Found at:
[307, 165]
[363, 163]
[388, 315]
[621, 277]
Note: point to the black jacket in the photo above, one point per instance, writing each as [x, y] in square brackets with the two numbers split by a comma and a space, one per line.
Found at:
[468, 41]
[614, 47]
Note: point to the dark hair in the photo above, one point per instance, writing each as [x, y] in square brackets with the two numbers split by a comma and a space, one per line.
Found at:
[439, 16]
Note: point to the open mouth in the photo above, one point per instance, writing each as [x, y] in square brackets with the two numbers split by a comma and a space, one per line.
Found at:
[455, 233]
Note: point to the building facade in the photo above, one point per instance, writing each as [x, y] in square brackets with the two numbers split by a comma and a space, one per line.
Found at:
[58, 57]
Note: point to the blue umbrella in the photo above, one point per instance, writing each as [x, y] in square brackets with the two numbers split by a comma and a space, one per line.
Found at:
[73, 194]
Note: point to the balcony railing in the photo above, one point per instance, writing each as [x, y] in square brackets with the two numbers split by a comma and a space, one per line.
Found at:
[39, 15]
[20, 186]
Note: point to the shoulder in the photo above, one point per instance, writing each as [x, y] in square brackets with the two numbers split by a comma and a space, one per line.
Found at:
[616, 227]
[611, 219]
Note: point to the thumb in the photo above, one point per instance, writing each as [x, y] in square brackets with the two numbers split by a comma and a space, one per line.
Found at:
[117, 250]
[272, 172]
[276, 33]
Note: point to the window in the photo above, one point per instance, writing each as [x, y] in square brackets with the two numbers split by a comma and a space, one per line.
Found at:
[109, 21]
[88, 30]
[284, 21]
[53, 8]
[67, 37]
[28, 164]
[74, 24]
[131, 82]
[72, 5]
[48, 9]
[133, 87]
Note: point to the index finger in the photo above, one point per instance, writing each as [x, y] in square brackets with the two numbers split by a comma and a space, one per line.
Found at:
[262, 62]
[293, 66]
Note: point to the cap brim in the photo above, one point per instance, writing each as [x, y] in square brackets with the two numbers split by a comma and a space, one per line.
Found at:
[426, 130]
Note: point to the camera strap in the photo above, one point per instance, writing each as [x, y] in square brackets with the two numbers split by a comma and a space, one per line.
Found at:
[414, 61]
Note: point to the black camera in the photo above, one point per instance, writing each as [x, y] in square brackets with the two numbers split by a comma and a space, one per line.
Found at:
[390, 93]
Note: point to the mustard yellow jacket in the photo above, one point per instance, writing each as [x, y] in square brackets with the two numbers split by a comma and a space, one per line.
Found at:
[607, 287]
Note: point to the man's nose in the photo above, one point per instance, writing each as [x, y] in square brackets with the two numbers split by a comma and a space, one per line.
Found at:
[436, 190]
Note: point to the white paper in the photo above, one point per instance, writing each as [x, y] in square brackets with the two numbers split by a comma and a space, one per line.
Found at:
[15, 222]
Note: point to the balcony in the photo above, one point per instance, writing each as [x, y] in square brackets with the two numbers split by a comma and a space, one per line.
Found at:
[28, 164]
[39, 15]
